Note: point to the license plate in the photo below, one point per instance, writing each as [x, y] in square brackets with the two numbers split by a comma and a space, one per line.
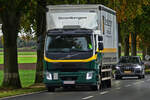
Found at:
[69, 82]
[127, 72]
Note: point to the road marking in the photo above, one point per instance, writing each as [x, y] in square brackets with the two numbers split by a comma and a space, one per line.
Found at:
[148, 80]
[118, 88]
[5, 98]
[102, 93]
[87, 97]
[142, 81]
[128, 85]
[136, 83]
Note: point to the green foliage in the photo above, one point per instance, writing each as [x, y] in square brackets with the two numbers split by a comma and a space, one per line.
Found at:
[144, 27]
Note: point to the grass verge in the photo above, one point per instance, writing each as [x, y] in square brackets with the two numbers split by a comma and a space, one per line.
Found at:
[23, 57]
[147, 71]
[31, 89]
[22, 53]
[27, 77]
[22, 60]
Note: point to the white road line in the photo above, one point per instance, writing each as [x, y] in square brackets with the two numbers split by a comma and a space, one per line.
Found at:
[148, 80]
[118, 88]
[128, 85]
[102, 93]
[87, 97]
[142, 81]
[136, 83]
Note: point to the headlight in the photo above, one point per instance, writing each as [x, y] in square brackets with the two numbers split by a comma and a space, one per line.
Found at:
[48, 76]
[89, 75]
[139, 67]
[117, 67]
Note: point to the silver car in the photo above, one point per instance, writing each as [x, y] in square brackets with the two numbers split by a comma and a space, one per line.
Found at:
[130, 66]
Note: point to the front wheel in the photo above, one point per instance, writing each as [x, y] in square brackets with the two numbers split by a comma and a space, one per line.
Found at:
[98, 84]
[51, 89]
[117, 77]
[96, 87]
[143, 76]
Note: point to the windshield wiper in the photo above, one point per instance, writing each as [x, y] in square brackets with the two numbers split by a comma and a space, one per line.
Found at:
[57, 50]
[79, 50]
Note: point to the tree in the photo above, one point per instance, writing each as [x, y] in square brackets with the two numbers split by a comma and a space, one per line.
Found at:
[40, 33]
[143, 29]
[10, 14]
[126, 13]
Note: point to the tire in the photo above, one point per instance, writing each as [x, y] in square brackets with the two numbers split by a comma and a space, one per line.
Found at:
[143, 76]
[139, 77]
[117, 77]
[96, 87]
[51, 89]
[109, 83]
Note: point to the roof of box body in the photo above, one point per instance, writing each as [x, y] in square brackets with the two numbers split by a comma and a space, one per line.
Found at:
[63, 7]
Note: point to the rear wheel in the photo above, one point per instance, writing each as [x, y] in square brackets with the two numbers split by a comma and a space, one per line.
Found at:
[109, 83]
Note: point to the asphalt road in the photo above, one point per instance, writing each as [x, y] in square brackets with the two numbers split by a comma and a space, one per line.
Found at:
[126, 89]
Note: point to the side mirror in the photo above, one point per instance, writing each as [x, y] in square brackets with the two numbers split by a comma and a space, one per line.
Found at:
[100, 38]
[100, 46]
[142, 63]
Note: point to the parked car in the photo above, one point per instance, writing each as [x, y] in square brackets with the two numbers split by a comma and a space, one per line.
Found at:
[130, 66]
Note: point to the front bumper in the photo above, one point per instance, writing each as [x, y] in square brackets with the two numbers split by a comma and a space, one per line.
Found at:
[71, 79]
[135, 72]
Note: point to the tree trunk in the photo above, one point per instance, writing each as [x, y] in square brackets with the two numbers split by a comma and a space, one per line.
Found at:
[143, 53]
[41, 30]
[148, 50]
[10, 32]
[133, 44]
[126, 45]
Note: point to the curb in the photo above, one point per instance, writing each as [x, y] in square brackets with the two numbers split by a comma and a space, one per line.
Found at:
[20, 95]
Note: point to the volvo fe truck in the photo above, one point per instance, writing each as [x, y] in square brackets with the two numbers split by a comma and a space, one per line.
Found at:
[81, 45]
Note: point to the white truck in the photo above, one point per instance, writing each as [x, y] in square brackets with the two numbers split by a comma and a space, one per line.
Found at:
[81, 46]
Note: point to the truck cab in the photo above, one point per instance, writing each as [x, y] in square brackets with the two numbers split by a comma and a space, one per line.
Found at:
[72, 58]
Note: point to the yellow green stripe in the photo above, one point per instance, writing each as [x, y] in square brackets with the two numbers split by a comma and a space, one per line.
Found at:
[81, 60]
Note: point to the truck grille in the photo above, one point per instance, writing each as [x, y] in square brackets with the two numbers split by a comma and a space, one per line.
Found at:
[69, 70]
[127, 69]
[69, 78]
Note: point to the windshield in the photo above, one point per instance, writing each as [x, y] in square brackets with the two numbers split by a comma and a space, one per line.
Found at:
[59, 43]
[129, 60]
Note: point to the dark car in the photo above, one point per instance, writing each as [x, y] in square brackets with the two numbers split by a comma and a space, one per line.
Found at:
[130, 66]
